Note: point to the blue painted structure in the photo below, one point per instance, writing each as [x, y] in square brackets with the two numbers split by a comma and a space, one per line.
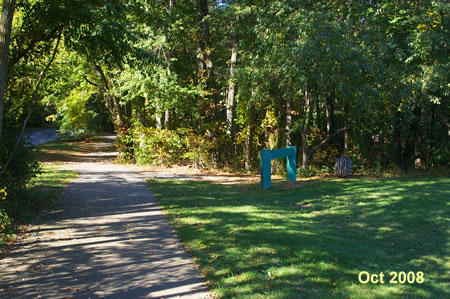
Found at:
[290, 153]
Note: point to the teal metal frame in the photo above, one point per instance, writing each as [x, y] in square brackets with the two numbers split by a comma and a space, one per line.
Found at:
[290, 153]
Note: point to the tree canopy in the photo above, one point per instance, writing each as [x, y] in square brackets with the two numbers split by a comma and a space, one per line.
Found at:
[217, 81]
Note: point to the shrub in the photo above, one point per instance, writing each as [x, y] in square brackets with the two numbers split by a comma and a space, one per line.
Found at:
[18, 174]
[311, 171]
[6, 231]
[125, 145]
[166, 147]
[21, 169]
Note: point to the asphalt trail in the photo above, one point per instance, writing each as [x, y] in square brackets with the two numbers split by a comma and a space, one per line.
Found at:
[106, 238]
[41, 136]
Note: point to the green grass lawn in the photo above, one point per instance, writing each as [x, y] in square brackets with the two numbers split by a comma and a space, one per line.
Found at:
[313, 240]
[44, 190]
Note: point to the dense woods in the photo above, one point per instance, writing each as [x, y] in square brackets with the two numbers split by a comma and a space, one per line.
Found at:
[210, 83]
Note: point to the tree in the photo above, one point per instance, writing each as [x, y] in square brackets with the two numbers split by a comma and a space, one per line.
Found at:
[366, 79]
[6, 19]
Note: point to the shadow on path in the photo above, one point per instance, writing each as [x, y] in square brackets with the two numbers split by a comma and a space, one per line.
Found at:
[107, 237]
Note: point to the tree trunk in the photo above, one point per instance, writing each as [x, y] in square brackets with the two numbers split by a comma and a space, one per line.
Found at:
[204, 59]
[121, 113]
[305, 155]
[5, 34]
[168, 58]
[140, 110]
[329, 113]
[308, 152]
[167, 119]
[410, 145]
[113, 104]
[346, 130]
[248, 147]
[35, 98]
[105, 89]
[158, 122]
[231, 86]
[397, 138]
[128, 111]
[158, 118]
[171, 4]
[288, 115]
[345, 138]
[307, 108]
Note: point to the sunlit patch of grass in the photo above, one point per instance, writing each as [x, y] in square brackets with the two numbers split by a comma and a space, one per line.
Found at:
[59, 145]
[314, 239]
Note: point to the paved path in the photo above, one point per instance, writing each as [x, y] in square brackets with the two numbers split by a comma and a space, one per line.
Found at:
[41, 136]
[107, 237]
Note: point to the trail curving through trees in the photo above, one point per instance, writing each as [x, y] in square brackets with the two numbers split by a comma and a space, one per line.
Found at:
[106, 237]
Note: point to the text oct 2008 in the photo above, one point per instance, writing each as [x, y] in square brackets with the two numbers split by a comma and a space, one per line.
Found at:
[393, 277]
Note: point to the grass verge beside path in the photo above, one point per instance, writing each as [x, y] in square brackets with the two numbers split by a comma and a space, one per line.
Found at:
[313, 240]
[46, 189]
[58, 151]
[43, 191]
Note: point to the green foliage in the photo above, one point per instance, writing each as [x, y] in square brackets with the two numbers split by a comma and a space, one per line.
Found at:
[159, 146]
[313, 170]
[21, 169]
[166, 147]
[6, 232]
[77, 103]
[30, 202]
[41, 193]
[3, 194]
[379, 68]
[156, 88]
[73, 111]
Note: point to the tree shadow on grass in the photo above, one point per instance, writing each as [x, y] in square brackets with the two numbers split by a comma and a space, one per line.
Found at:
[317, 250]
[99, 150]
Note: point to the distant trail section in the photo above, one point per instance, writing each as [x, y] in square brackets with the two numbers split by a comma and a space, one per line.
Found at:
[106, 237]
[41, 136]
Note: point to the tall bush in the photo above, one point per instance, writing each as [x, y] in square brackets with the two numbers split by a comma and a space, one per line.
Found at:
[21, 169]
[167, 147]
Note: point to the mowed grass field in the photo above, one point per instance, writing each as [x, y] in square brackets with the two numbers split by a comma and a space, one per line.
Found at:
[313, 239]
